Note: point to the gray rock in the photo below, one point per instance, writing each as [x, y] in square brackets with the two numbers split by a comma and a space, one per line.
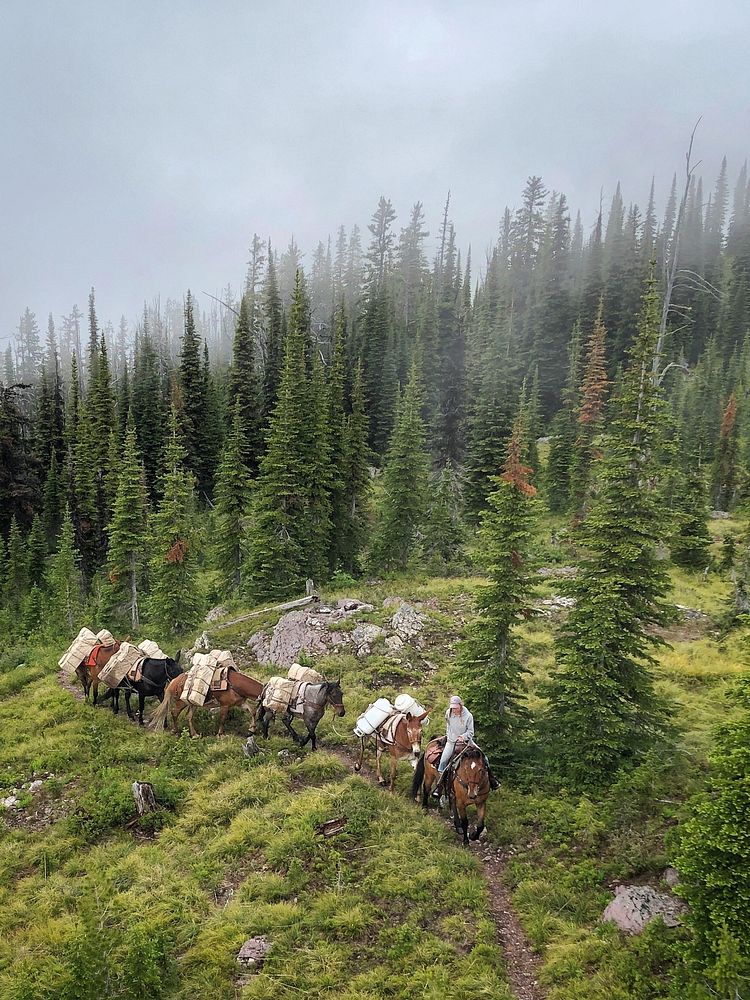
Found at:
[259, 645]
[36, 786]
[392, 602]
[250, 748]
[253, 951]
[394, 643]
[216, 613]
[634, 906]
[671, 876]
[407, 623]
[295, 634]
[364, 636]
[202, 644]
[556, 605]
[9, 802]
[719, 515]
[557, 571]
[352, 604]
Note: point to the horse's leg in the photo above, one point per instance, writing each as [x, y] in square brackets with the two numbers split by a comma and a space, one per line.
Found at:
[142, 705]
[462, 815]
[176, 710]
[223, 718]
[95, 685]
[394, 765]
[378, 753]
[286, 718]
[115, 701]
[265, 721]
[481, 809]
[129, 710]
[190, 713]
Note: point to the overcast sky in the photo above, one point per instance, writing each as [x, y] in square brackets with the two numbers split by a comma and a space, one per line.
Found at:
[144, 142]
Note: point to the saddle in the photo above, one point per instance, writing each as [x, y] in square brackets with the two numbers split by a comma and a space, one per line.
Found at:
[284, 694]
[435, 748]
[135, 673]
[387, 729]
[220, 679]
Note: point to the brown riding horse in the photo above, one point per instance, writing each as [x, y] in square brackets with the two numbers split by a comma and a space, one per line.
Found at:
[400, 741]
[88, 670]
[241, 687]
[467, 781]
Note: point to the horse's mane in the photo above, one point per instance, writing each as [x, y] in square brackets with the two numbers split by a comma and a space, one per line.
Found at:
[472, 753]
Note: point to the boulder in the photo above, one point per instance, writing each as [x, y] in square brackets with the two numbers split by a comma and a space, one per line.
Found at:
[407, 623]
[392, 602]
[364, 636]
[557, 572]
[253, 951]
[217, 613]
[671, 876]
[202, 644]
[634, 906]
[259, 645]
[719, 515]
[352, 604]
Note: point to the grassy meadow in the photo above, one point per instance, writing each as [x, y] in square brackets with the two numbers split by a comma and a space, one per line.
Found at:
[95, 903]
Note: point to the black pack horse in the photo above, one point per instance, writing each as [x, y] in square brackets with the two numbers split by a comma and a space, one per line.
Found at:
[155, 675]
[317, 696]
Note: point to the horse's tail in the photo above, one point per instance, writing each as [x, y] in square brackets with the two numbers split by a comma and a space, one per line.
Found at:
[156, 719]
[418, 777]
[358, 763]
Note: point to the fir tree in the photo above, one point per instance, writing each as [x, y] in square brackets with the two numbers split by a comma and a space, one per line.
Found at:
[603, 710]
[563, 433]
[357, 482]
[232, 495]
[277, 542]
[319, 476]
[728, 553]
[273, 354]
[36, 552]
[16, 569]
[174, 598]
[149, 409]
[724, 473]
[691, 541]
[489, 657]
[127, 530]
[713, 856]
[64, 581]
[445, 533]
[593, 393]
[192, 399]
[402, 512]
[243, 389]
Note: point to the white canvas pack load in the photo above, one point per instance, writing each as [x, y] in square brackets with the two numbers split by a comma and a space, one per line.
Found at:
[279, 692]
[223, 658]
[124, 661]
[151, 649]
[374, 717]
[306, 674]
[407, 705]
[105, 637]
[198, 680]
[78, 650]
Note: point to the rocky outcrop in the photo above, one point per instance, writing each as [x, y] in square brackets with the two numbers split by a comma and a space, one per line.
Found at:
[311, 632]
[407, 623]
[635, 906]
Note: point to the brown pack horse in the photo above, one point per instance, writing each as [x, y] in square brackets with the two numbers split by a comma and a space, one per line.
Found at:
[401, 742]
[467, 782]
[88, 670]
[241, 687]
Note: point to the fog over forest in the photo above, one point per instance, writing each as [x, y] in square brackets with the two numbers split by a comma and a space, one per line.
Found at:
[143, 146]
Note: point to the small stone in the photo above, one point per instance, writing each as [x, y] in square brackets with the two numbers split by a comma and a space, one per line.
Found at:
[250, 748]
[363, 637]
[35, 786]
[395, 643]
[253, 951]
[9, 802]
[671, 876]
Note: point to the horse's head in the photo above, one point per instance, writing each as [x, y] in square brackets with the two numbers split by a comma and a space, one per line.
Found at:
[335, 697]
[471, 774]
[414, 731]
[172, 668]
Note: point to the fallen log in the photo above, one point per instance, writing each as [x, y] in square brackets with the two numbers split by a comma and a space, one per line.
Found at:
[331, 827]
[288, 606]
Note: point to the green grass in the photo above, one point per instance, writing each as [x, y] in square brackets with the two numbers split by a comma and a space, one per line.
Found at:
[93, 904]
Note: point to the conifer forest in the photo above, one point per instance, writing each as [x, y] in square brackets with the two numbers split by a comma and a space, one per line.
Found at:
[521, 475]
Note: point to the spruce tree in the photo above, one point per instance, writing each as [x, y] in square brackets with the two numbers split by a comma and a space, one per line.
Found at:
[338, 444]
[36, 552]
[357, 482]
[232, 495]
[489, 657]
[192, 400]
[127, 529]
[403, 508]
[592, 395]
[603, 711]
[273, 337]
[64, 581]
[16, 569]
[174, 598]
[445, 535]
[277, 541]
[713, 858]
[319, 477]
[243, 389]
[691, 542]
[724, 473]
[563, 433]
[149, 411]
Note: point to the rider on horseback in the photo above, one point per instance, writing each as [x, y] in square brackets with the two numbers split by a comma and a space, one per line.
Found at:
[459, 726]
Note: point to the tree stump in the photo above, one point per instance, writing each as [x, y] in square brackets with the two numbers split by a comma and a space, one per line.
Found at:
[143, 794]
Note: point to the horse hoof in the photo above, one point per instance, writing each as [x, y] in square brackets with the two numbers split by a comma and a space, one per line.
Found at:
[357, 768]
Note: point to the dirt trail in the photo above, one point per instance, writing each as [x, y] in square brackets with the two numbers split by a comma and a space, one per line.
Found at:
[521, 962]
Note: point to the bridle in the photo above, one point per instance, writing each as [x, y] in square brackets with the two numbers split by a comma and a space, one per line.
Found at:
[395, 742]
[484, 776]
